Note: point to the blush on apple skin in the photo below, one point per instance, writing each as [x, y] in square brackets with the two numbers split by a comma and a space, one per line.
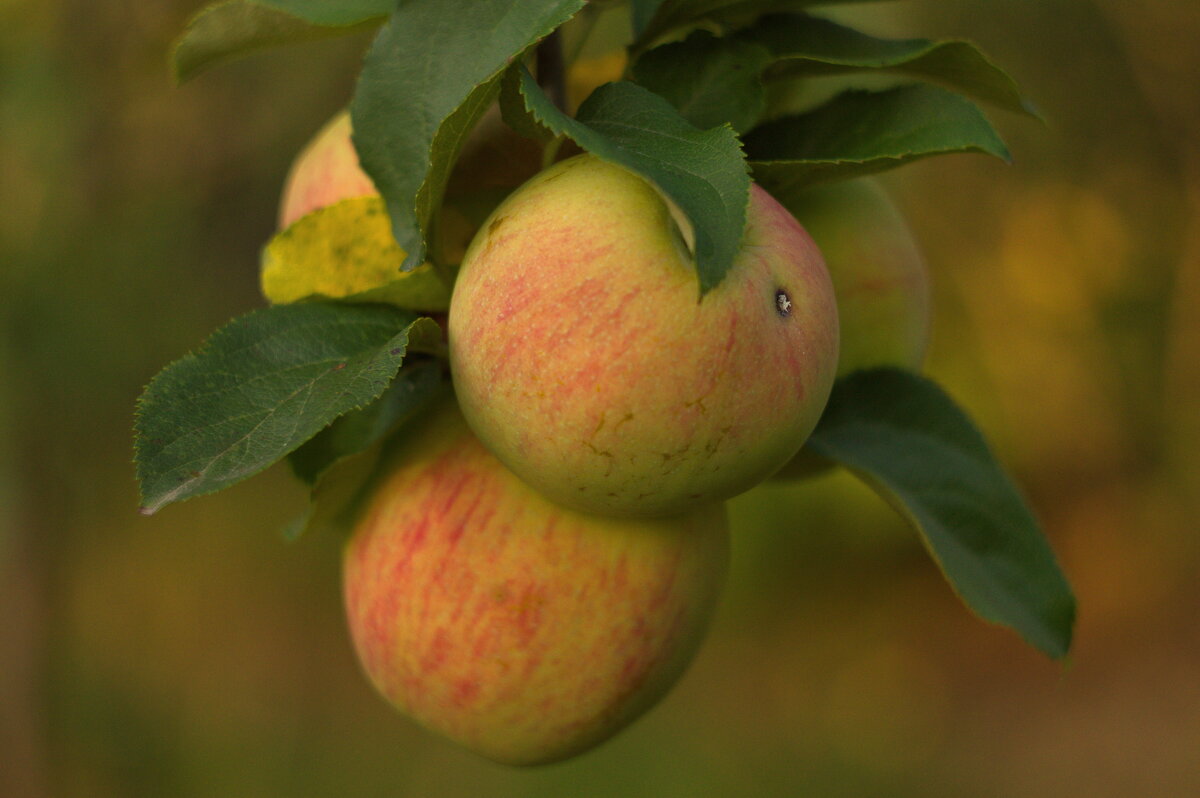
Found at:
[585, 358]
[522, 630]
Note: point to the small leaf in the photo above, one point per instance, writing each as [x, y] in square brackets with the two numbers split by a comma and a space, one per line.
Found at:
[414, 387]
[346, 251]
[711, 81]
[228, 30]
[907, 439]
[701, 171]
[428, 77]
[861, 132]
[804, 45]
[514, 111]
[655, 18]
[258, 388]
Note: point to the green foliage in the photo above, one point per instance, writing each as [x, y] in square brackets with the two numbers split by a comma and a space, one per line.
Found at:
[702, 171]
[259, 387]
[416, 384]
[234, 28]
[803, 45]
[907, 439]
[326, 384]
[863, 132]
[711, 81]
[655, 18]
[430, 74]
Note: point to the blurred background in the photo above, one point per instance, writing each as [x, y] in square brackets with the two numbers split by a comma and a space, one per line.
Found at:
[196, 653]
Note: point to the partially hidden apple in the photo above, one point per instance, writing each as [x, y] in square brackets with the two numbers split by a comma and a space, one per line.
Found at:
[526, 632]
[879, 275]
[585, 358]
[335, 238]
[880, 279]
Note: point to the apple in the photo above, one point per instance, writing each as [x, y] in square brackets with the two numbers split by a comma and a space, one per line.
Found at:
[879, 275]
[586, 360]
[524, 631]
[326, 171]
[880, 280]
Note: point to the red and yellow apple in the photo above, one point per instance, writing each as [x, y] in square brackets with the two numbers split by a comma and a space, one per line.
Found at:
[880, 280]
[522, 630]
[586, 360]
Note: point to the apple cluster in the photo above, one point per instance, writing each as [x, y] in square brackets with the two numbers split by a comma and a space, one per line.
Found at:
[540, 556]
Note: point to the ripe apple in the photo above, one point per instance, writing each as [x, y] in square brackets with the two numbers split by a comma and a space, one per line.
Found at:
[879, 277]
[585, 359]
[521, 630]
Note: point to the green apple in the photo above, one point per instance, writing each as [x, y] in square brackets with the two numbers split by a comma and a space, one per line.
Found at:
[879, 274]
[585, 359]
[879, 277]
[526, 632]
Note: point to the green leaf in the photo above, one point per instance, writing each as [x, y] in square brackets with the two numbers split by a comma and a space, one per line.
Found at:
[346, 251]
[258, 388]
[428, 77]
[907, 440]
[414, 387]
[515, 113]
[655, 18]
[701, 171]
[228, 30]
[805, 45]
[862, 132]
[711, 81]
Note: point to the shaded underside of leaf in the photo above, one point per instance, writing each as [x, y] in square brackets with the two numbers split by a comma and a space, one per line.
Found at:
[863, 132]
[804, 45]
[907, 439]
[428, 77]
[229, 30]
[257, 389]
[701, 171]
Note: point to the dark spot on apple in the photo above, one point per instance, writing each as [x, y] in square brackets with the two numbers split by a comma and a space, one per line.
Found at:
[783, 303]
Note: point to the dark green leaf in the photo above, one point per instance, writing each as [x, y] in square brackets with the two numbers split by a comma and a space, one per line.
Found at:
[414, 386]
[229, 30]
[642, 12]
[805, 45]
[258, 388]
[515, 113]
[655, 18]
[907, 439]
[862, 132]
[701, 171]
[430, 74]
[711, 81]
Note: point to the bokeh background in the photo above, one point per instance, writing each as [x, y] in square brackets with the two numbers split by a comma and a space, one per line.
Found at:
[196, 653]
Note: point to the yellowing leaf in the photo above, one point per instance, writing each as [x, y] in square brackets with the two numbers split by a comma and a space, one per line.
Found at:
[346, 251]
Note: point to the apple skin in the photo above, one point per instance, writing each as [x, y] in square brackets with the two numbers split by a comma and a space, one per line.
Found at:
[326, 171]
[526, 632]
[880, 279]
[585, 360]
[879, 275]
